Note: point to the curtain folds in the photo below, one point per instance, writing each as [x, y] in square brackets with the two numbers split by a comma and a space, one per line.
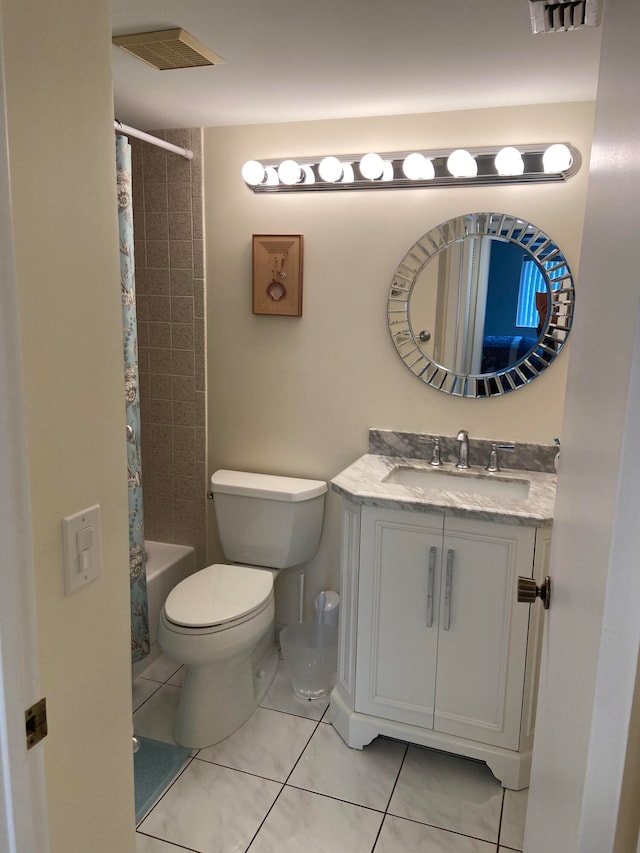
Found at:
[137, 560]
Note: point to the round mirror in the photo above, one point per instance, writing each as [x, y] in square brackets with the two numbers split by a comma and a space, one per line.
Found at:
[481, 305]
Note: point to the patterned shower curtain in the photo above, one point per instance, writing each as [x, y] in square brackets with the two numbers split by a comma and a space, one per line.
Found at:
[138, 577]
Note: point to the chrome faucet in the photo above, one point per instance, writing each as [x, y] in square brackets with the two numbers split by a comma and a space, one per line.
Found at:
[463, 451]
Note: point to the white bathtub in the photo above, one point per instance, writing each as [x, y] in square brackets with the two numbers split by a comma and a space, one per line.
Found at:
[167, 565]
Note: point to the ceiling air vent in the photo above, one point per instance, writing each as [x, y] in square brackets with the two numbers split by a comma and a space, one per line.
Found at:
[563, 15]
[168, 49]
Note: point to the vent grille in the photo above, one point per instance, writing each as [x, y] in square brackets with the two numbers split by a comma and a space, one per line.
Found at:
[168, 49]
[563, 15]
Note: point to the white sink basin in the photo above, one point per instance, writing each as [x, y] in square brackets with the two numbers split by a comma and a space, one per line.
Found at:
[467, 483]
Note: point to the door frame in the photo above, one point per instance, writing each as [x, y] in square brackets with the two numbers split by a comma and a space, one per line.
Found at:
[23, 812]
[585, 780]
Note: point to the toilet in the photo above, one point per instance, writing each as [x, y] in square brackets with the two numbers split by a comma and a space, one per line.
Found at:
[219, 622]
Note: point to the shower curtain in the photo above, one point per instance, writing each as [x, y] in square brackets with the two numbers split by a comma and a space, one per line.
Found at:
[137, 572]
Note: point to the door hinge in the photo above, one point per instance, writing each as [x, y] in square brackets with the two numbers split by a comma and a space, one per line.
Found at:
[36, 722]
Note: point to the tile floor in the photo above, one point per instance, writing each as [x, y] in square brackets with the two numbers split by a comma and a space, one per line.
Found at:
[286, 783]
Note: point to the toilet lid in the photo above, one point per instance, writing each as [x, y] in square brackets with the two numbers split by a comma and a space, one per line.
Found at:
[218, 594]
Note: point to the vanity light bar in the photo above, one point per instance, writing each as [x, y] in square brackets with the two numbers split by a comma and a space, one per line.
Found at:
[512, 164]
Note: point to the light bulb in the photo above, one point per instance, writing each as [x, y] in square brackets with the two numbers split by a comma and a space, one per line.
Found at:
[253, 173]
[387, 171]
[330, 169]
[557, 158]
[271, 179]
[372, 167]
[289, 172]
[417, 167]
[347, 173]
[461, 164]
[309, 177]
[509, 161]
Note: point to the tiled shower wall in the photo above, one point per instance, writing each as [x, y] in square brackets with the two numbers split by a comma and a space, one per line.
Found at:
[169, 256]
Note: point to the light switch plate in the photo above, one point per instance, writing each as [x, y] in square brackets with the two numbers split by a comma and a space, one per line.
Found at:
[78, 532]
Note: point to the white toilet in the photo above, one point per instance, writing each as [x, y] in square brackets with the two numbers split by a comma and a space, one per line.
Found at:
[219, 622]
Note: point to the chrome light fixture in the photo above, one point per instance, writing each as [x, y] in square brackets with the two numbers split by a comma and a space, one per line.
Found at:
[511, 164]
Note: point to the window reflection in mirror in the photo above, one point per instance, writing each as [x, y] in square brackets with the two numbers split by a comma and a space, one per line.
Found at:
[494, 299]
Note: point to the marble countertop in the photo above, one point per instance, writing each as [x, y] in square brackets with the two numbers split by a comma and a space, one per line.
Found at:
[364, 482]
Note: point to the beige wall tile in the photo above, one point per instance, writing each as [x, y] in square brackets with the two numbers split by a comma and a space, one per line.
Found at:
[182, 362]
[160, 334]
[179, 168]
[185, 462]
[160, 361]
[182, 335]
[174, 483]
[156, 225]
[184, 438]
[158, 282]
[161, 412]
[181, 254]
[182, 309]
[159, 308]
[183, 388]
[180, 225]
[178, 198]
[158, 253]
[161, 387]
[182, 283]
[184, 413]
[156, 196]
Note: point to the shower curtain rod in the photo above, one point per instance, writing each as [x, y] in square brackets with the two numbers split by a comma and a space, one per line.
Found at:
[125, 130]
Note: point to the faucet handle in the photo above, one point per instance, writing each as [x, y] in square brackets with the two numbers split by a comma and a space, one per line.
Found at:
[492, 465]
[435, 452]
[436, 462]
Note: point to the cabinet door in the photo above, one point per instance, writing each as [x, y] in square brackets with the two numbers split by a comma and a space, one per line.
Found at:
[400, 562]
[483, 634]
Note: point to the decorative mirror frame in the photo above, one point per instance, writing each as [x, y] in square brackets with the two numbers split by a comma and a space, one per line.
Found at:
[558, 322]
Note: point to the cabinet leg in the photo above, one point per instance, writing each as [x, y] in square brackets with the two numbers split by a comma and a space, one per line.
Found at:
[512, 771]
[353, 730]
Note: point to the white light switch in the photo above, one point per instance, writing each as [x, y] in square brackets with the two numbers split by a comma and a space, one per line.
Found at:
[81, 542]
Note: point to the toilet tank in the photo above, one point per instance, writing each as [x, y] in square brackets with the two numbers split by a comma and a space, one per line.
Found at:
[267, 520]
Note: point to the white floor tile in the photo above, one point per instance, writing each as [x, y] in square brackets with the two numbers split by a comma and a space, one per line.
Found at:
[177, 678]
[363, 776]
[155, 719]
[162, 668]
[145, 844]
[301, 822]
[404, 836]
[142, 689]
[514, 814]
[212, 809]
[280, 697]
[268, 744]
[449, 792]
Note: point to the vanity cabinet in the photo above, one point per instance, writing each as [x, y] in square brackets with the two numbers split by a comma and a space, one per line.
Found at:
[434, 648]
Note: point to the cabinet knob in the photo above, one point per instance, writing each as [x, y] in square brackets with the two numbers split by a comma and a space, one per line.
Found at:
[528, 591]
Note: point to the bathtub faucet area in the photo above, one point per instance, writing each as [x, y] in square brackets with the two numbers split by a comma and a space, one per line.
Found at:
[166, 565]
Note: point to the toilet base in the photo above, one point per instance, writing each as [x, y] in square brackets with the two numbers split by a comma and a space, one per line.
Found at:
[216, 699]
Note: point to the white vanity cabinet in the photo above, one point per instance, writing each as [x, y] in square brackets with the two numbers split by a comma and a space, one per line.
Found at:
[434, 648]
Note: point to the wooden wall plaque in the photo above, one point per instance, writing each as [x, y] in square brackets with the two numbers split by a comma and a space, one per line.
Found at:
[277, 274]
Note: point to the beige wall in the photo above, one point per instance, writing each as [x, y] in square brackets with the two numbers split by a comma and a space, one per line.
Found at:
[62, 158]
[297, 395]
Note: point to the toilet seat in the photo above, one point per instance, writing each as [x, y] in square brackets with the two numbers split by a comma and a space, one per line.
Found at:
[219, 596]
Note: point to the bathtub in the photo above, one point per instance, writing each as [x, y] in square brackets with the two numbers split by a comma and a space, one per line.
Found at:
[167, 565]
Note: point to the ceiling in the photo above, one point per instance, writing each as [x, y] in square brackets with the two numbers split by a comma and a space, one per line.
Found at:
[297, 60]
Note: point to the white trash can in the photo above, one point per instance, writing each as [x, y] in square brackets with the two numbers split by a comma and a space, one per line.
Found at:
[310, 655]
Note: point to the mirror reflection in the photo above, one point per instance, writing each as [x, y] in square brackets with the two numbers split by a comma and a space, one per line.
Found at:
[481, 304]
